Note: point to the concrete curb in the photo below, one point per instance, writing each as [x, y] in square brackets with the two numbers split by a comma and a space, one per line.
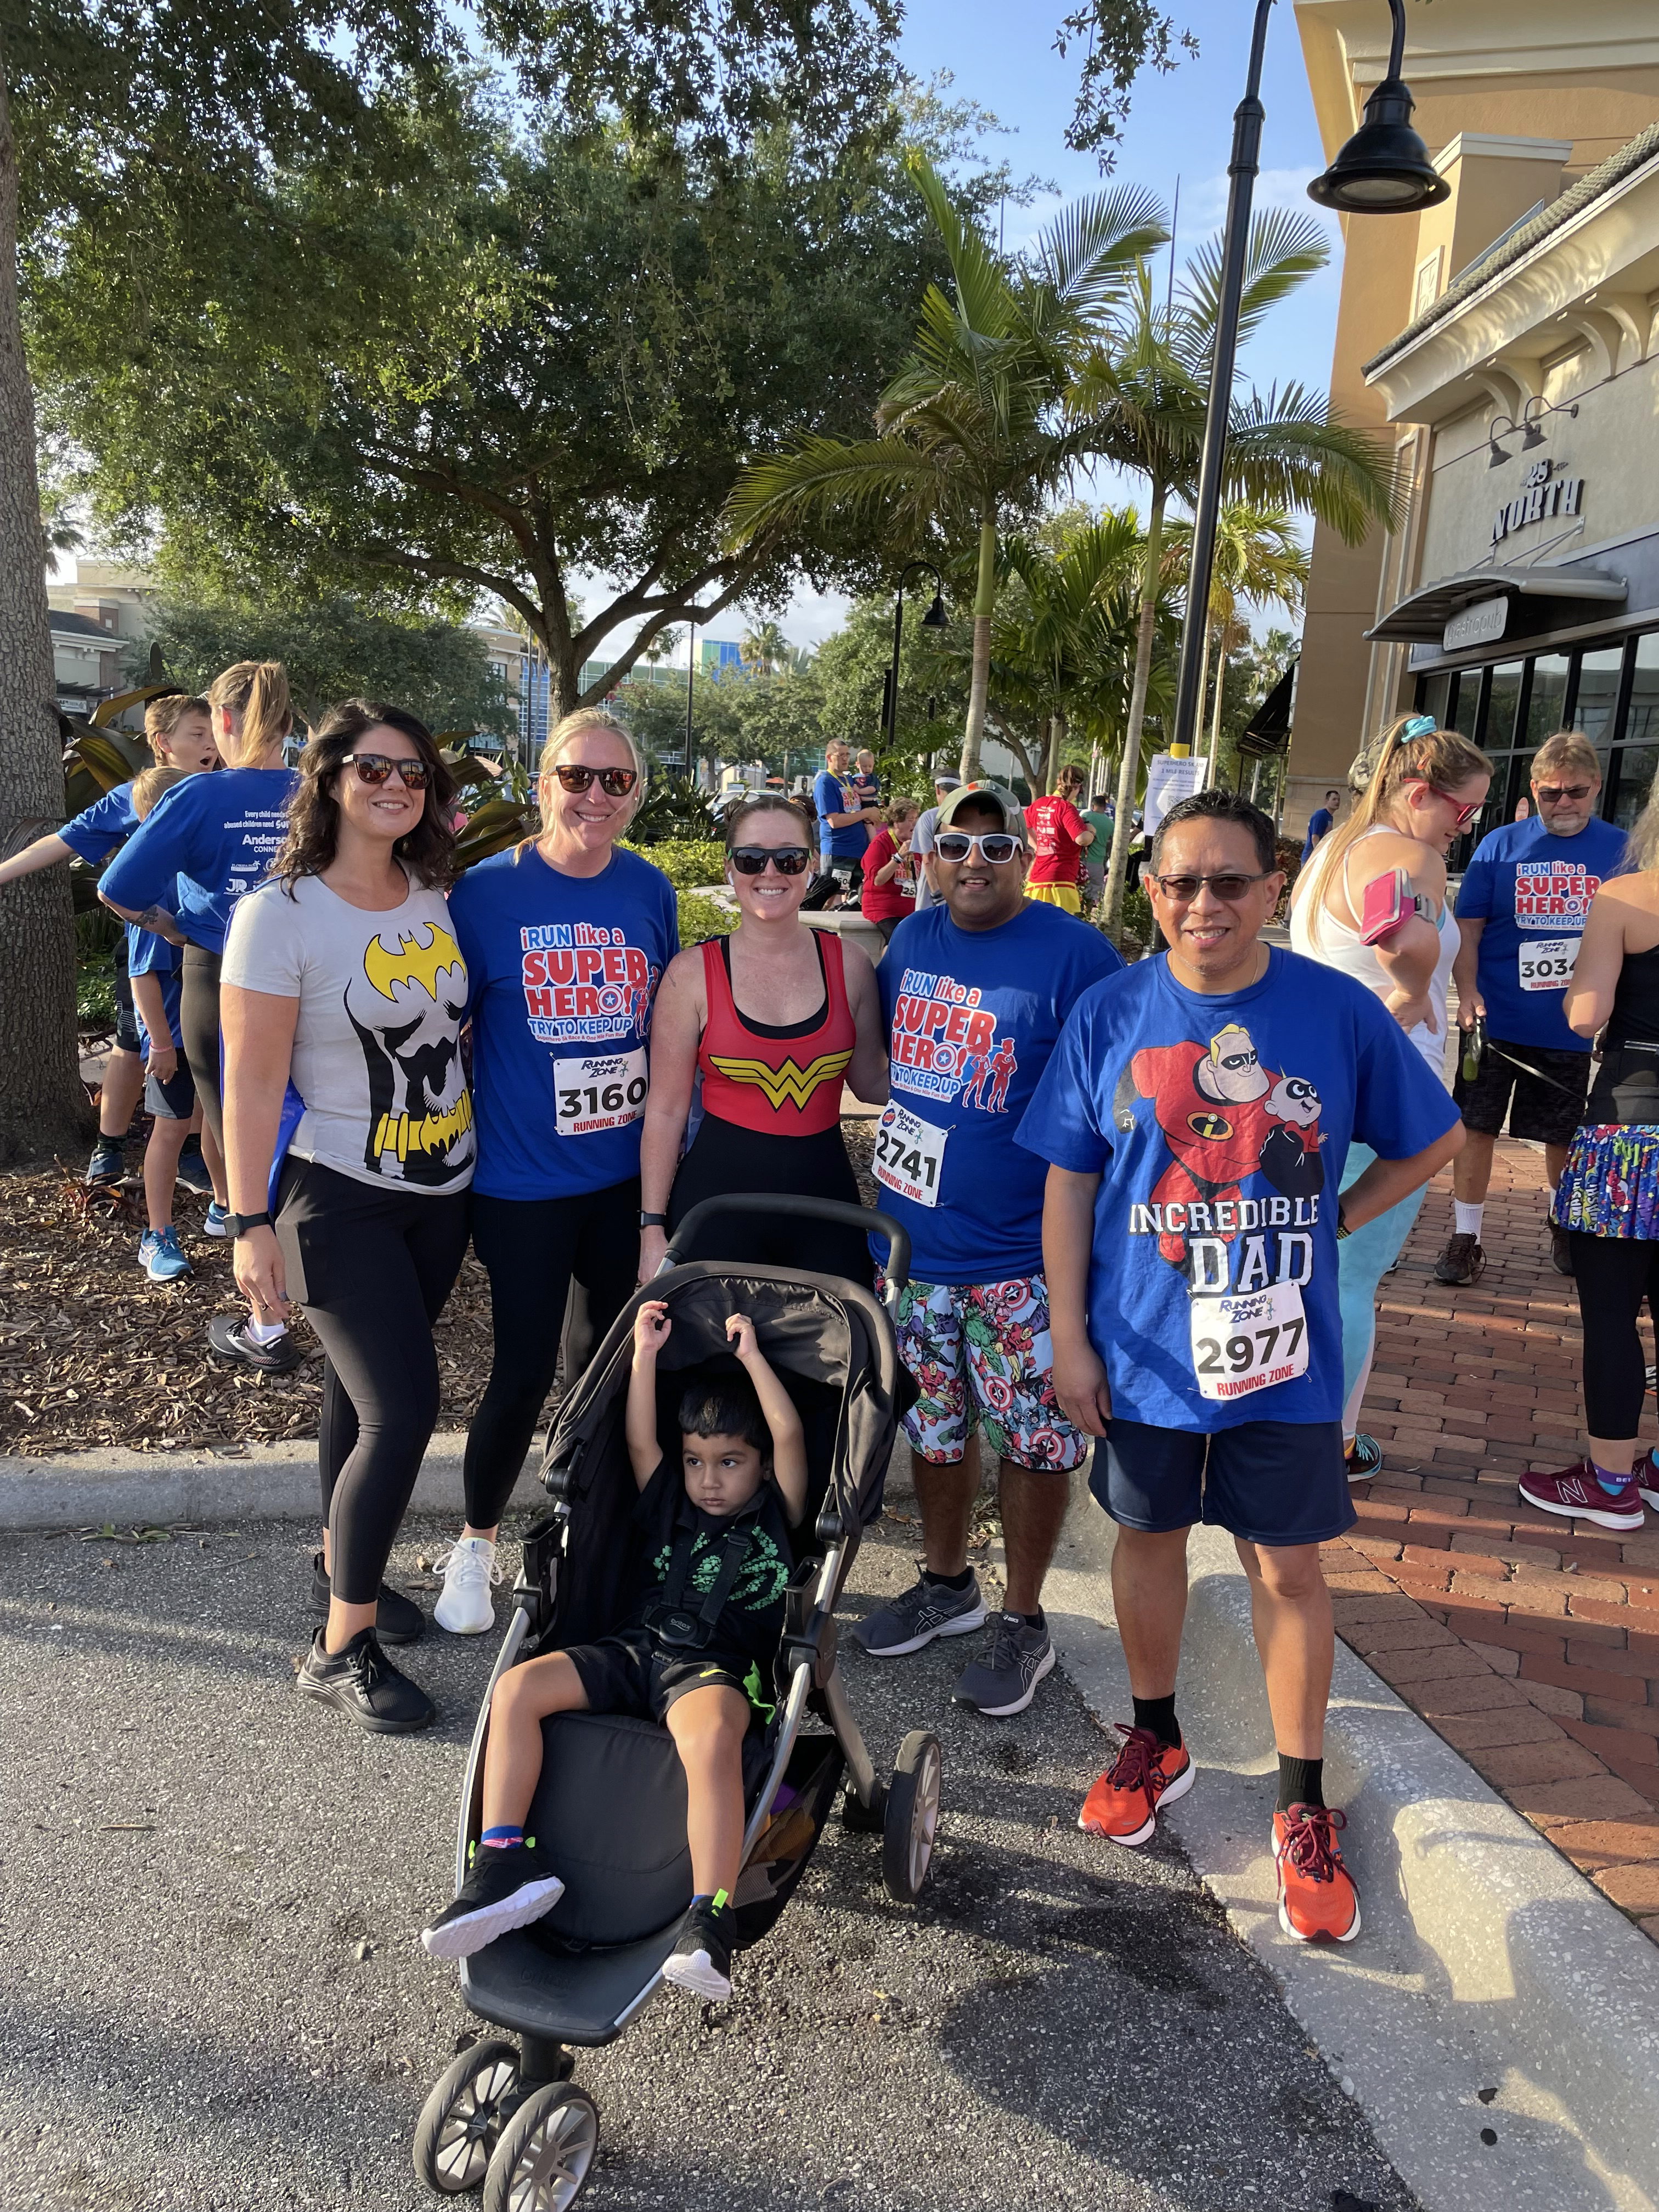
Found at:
[1486, 1964]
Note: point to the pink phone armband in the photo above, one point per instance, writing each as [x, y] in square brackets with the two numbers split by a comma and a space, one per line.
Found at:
[1389, 905]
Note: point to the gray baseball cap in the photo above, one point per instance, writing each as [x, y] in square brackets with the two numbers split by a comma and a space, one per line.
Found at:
[986, 794]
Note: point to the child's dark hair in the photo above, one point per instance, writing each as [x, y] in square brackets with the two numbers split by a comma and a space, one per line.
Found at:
[725, 1406]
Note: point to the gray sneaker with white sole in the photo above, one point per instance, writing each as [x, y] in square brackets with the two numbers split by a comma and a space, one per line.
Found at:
[1005, 1681]
[930, 1609]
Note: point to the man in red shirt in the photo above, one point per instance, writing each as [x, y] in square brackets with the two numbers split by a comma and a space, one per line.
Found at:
[1059, 837]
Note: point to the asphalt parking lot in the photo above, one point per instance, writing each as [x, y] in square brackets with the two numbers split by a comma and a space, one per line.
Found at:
[214, 1999]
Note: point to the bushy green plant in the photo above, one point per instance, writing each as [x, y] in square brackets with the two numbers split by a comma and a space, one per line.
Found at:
[690, 863]
[703, 917]
[674, 810]
[1137, 931]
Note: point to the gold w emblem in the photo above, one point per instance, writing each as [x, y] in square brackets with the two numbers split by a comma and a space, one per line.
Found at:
[789, 1084]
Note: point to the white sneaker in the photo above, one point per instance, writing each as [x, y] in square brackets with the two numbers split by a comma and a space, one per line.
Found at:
[465, 1607]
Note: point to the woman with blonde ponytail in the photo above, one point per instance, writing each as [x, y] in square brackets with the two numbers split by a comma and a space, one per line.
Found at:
[1372, 901]
[209, 840]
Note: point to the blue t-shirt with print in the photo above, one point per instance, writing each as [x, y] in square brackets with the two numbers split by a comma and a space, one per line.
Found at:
[102, 829]
[832, 794]
[1532, 892]
[1218, 1127]
[563, 971]
[151, 955]
[1320, 822]
[216, 835]
[972, 1017]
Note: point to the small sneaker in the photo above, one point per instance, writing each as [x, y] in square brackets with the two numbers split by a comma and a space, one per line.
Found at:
[108, 1161]
[366, 1686]
[931, 1609]
[503, 1890]
[217, 1222]
[1647, 1479]
[227, 1334]
[397, 1619]
[1463, 1262]
[1317, 1901]
[1364, 1458]
[1560, 1248]
[1005, 1681]
[1577, 1494]
[702, 1960]
[161, 1255]
[192, 1172]
[469, 1570]
[1123, 1804]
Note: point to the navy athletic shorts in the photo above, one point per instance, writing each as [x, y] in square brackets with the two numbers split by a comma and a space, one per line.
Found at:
[1270, 1482]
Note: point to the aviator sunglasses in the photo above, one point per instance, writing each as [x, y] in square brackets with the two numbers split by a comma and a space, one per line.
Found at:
[998, 846]
[376, 767]
[1183, 890]
[752, 859]
[614, 782]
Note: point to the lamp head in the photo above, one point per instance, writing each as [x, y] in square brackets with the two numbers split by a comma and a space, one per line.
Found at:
[1497, 456]
[1532, 437]
[936, 618]
[1384, 168]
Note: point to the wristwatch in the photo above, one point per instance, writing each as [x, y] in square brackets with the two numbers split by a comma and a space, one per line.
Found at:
[240, 1224]
[654, 1221]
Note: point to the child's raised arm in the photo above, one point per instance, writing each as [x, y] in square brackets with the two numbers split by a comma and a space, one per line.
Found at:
[651, 1328]
[788, 1437]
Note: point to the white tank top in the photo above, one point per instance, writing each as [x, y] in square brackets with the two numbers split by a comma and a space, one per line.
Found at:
[1338, 945]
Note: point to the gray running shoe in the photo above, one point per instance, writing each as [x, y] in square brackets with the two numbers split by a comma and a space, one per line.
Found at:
[1005, 1681]
[930, 1609]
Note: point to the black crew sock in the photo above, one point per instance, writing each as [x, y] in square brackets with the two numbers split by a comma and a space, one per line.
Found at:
[1301, 1782]
[949, 1581]
[1158, 1714]
[1032, 1619]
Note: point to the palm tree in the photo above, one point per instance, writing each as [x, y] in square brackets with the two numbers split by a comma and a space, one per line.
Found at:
[1139, 402]
[1260, 562]
[1062, 643]
[764, 648]
[971, 432]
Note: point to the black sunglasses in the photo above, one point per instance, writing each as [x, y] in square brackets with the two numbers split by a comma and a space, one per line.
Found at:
[615, 782]
[376, 767]
[1228, 889]
[752, 859]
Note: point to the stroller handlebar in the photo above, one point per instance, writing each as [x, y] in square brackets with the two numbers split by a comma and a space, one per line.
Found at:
[813, 1209]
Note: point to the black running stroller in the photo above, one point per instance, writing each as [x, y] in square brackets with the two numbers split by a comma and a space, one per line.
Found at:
[608, 1813]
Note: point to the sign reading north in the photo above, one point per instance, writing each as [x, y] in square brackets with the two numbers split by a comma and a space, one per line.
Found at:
[1542, 495]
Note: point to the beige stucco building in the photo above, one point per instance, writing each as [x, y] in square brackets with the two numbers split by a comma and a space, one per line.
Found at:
[1533, 285]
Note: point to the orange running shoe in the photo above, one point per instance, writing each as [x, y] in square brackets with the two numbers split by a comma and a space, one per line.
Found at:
[1317, 1901]
[1123, 1803]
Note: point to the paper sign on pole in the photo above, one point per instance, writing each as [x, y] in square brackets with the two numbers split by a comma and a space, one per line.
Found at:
[1168, 779]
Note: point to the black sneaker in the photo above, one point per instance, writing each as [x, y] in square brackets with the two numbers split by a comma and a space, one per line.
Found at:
[397, 1619]
[1463, 1262]
[503, 1890]
[702, 1958]
[108, 1161]
[365, 1685]
[227, 1334]
[1560, 1248]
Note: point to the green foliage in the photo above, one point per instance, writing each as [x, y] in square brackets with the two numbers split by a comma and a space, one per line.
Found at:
[1125, 36]
[701, 918]
[493, 828]
[337, 648]
[687, 863]
[97, 934]
[674, 807]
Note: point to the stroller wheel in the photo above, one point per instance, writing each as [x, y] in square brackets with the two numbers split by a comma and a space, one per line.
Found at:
[912, 1816]
[546, 2149]
[461, 2121]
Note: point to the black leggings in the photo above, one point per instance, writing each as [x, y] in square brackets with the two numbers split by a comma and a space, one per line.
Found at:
[198, 1024]
[531, 1248]
[1614, 1274]
[372, 1268]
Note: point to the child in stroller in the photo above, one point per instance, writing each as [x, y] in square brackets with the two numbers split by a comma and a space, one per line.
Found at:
[712, 1525]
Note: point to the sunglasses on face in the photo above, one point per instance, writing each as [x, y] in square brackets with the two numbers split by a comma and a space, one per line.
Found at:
[1463, 814]
[752, 859]
[996, 846]
[1554, 795]
[1181, 890]
[614, 782]
[376, 767]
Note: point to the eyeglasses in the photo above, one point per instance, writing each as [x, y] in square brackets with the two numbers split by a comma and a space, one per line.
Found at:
[1183, 890]
[996, 846]
[1555, 794]
[1464, 815]
[376, 767]
[614, 782]
[752, 859]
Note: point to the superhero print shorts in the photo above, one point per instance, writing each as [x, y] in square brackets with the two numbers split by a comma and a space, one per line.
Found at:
[979, 1355]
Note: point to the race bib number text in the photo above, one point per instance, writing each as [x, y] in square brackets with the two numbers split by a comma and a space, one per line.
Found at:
[1546, 962]
[910, 1155]
[1248, 1342]
[605, 1092]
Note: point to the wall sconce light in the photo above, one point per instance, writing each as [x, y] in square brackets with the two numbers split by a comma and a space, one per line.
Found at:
[1505, 426]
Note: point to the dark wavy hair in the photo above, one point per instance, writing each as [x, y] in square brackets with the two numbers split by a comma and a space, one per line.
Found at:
[766, 802]
[427, 851]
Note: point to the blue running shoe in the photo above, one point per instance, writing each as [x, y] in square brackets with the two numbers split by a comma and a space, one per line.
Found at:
[108, 1162]
[192, 1172]
[162, 1257]
[217, 1221]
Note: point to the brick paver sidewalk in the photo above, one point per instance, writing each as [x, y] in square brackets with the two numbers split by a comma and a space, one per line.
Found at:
[1529, 1643]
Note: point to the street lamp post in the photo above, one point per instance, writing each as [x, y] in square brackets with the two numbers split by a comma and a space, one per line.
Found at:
[935, 618]
[1383, 169]
[690, 677]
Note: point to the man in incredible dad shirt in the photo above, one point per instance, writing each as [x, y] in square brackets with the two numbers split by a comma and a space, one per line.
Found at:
[974, 993]
[1521, 912]
[1196, 1115]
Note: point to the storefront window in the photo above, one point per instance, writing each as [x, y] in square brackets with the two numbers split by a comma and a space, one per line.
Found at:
[1466, 703]
[1502, 705]
[1435, 692]
[1636, 764]
[1598, 695]
[1546, 703]
[1642, 723]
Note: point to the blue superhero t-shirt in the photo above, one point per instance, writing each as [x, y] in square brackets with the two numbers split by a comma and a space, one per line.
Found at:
[830, 796]
[1532, 892]
[1218, 1127]
[217, 835]
[101, 828]
[972, 1017]
[564, 970]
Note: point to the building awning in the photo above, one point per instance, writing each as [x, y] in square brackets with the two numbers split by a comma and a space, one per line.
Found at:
[1425, 612]
[1270, 725]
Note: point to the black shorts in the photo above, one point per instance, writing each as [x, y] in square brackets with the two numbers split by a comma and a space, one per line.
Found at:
[1536, 1110]
[631, 1673]
[1270, 1482]
[173, 1100]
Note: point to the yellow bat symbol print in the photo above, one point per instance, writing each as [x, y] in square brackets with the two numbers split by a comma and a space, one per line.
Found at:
[412, 962]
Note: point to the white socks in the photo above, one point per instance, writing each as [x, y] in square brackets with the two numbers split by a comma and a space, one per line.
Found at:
[1468, 1218]
[265, 1331]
